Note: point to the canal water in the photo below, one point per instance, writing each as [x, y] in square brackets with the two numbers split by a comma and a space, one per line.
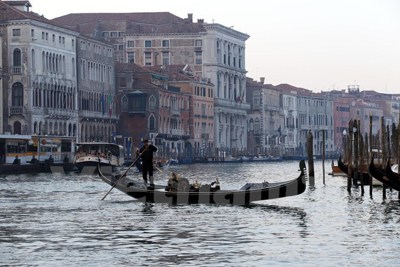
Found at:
[60, 220]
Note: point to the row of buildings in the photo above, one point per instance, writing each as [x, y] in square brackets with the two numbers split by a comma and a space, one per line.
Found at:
[120, 77]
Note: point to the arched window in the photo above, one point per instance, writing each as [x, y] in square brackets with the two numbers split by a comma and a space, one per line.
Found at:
[152, 123]
[33, 59]
[257, 126]
[124, 103]
[152, 103]
[17, 59]
[251, 126]
[17, 95]
[17, 127]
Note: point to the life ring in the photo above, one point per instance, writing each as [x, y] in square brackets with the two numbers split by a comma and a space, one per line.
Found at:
[44, 141]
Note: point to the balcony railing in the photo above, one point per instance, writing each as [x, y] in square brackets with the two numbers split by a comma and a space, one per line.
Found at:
[175, 112]
[205, 136]
[16, 70]
[176, 132]
[16, 110]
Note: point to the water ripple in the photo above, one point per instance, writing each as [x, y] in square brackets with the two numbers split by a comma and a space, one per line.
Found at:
[61, 221]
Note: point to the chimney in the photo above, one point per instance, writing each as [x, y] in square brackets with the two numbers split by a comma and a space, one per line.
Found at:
[200, 21]
[262, 80]
[190, 17]
[20, 5]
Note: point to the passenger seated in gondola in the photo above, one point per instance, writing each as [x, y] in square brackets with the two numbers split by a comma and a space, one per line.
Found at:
[16, 160]
[33, 160]
[159, 164]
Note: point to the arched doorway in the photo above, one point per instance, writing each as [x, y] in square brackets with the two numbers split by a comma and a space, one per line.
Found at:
[17, 127]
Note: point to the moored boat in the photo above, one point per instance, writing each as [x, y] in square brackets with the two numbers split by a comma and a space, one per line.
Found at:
[92, 154]
[184, 193]
[381, 176]
[391, 175]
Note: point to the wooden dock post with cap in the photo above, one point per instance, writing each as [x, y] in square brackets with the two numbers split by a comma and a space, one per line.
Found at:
[383, 152]
[349, 156]
[310, 154]
[323, 156]
[370, 154]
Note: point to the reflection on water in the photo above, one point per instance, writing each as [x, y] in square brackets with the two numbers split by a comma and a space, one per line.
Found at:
[60, 220]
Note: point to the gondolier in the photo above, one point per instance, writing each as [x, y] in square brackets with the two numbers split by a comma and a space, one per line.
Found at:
[146, 153]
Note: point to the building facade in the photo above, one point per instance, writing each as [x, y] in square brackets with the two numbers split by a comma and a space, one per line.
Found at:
[224, 59]
[152, 109]
[96, 90]
[212, 51]
[40, 79]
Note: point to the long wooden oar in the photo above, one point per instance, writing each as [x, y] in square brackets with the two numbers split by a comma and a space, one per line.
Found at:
[130, 166]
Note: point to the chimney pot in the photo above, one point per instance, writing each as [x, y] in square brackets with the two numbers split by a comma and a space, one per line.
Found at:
[190, 17]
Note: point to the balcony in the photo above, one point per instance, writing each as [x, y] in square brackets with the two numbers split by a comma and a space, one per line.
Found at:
[176, 132]
[205, 136]
[16, 70]
[16, 110]
[175, 112]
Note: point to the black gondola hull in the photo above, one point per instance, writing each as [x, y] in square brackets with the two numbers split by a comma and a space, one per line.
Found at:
[222, 197]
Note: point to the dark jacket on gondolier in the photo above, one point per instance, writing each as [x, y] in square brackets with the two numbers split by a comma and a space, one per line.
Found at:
[146, 153]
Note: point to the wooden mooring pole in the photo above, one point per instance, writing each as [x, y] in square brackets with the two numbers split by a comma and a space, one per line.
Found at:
[310, 154]
[360, 156]
[356, 174]
[323, 157]
[350, 156]
[370, 154]
[383, 153]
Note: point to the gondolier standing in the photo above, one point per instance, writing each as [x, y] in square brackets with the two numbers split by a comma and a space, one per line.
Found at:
[146, 153]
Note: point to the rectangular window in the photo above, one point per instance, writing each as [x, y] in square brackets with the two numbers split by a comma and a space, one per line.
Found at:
[16, 32]
[122, 82]
[198, 43]
[165, 43]
[105, 34]
[42, 35]
[147, 58]
[137, 103]
[165, 58]
[120, 47]
[147, 43]
[131, 57]
[54, 37]
[199, 57]
[32, 33]
[130, 44]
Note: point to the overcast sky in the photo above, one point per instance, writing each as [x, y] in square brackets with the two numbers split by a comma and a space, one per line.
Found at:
[317, 45]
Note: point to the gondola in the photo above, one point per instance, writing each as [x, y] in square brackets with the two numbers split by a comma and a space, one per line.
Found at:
[364, 175]
[206, 194]
[391, 175]
[343, 167]
[381, 176]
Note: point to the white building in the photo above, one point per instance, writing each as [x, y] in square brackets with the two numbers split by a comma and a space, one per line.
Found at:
[39, 73]
[224, 60]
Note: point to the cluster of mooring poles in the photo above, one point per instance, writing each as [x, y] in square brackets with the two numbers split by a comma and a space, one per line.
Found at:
[359, 150]
[310, 156]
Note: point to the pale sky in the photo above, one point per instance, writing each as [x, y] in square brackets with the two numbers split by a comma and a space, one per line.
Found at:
[313, 44]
